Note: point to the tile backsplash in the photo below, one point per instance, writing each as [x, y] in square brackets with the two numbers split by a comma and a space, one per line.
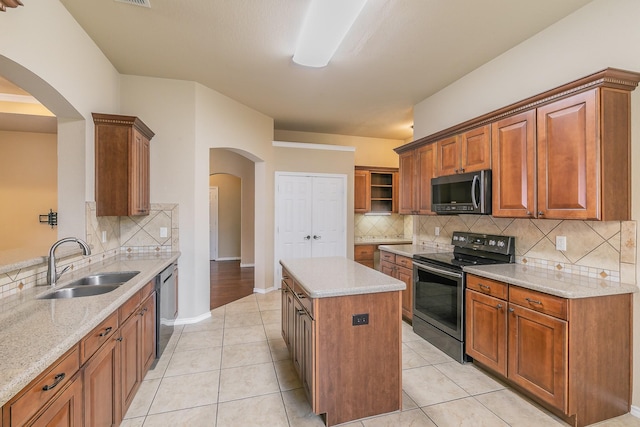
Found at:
[599, 249]
[135, 235]
[383, 226]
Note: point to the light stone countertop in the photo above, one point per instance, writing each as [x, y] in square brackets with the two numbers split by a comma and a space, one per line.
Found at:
[380, 241]
[34, 333]
[338, 276]
[411, 250]
[551, 281]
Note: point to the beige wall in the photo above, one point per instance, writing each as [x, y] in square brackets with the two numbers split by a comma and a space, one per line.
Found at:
[369, 151]
[604, 33]
[226, 161]
[28, 188]
[229, 214]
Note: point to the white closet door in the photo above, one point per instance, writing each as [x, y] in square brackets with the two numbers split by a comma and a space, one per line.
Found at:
[328, 219]
[294, 216]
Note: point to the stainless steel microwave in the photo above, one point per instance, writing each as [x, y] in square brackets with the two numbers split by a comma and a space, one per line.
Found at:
[468, 193]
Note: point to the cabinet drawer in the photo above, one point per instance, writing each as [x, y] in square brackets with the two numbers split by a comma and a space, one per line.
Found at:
[487, 286]
[147, 290]
[364, 252]
[404, 261]
[98, 336]
[46, 386]
[129, 307]
[387, 256]
[538, 301]
[303, 297]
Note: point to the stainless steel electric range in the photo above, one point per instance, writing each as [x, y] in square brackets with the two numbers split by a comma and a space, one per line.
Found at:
[439, 284]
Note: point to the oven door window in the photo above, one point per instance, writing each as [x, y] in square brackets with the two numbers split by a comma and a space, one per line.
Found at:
[438, 300]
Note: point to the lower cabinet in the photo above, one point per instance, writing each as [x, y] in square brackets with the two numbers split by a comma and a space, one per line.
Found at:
[400, 267]
[365, 255]
[571, 355]
[334, 356]
[94, 383]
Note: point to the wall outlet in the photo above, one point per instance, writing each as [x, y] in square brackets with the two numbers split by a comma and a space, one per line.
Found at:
[104, 237]
[163, 231]
[360, 319]
[561, 243]
[436, 231]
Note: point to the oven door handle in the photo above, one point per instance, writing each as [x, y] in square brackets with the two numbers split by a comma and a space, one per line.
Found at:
[437, 270]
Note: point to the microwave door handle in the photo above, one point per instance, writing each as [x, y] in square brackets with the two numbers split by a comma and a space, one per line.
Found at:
[476, 180]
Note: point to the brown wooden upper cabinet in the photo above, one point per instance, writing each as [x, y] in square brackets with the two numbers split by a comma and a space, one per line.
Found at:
[417, 167]
[466, 152]
[375, 190]
[568, 159]
[122, 165]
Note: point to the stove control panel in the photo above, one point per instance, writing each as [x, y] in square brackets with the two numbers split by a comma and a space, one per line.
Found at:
[484, 242]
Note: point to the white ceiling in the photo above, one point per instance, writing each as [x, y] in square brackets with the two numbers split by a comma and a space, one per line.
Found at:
[398, 53]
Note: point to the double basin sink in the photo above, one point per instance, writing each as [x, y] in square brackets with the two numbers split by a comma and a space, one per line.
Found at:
[93, 284]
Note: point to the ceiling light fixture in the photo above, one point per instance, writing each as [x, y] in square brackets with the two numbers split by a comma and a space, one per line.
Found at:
[9, 3]
[326, 24]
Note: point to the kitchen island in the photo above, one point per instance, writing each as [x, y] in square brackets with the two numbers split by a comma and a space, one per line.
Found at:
[342, 324]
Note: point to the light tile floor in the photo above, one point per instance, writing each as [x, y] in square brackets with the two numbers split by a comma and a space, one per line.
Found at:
[233, 370]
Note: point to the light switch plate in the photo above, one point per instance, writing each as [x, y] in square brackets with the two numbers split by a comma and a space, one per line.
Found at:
[104, 237]
[561, 243]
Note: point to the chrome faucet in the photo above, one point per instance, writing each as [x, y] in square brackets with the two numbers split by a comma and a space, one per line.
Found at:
[52, 274]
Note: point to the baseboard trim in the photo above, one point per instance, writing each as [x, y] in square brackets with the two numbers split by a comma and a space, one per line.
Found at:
[246, 265]
[191, 320]
[263, 290]
[635, 411]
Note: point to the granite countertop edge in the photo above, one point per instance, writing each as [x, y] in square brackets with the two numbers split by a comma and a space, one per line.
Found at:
[23, 363]
[382, 241]
[551, 282]
[411, 250]
[312, 274]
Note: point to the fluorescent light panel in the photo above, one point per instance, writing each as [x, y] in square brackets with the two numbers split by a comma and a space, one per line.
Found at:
[326, 24]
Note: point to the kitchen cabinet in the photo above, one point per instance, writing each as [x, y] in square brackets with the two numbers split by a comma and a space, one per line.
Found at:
[375, 190]
[417, 167]
[365, 255]
[571, 355]
[469, 151]
[401, 268]
[513, 148]
[121, 165]
[101, 387]
[56, 394]
[330, 352]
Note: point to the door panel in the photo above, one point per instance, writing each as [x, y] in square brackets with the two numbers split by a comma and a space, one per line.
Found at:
[328, 229]
[294, 216]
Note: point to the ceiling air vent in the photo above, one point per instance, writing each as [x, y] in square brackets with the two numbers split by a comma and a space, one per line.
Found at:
[143, 3]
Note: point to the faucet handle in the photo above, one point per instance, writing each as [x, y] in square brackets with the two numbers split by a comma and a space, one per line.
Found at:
[62, 272]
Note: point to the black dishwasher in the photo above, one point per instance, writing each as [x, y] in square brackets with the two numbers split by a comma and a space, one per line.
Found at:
[166, 307]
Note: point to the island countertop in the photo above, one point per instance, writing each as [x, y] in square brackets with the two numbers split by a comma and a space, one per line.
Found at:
[36, 332]
[550, 281]
[338, 276]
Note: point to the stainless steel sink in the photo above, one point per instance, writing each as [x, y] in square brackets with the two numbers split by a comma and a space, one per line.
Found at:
[94, 284]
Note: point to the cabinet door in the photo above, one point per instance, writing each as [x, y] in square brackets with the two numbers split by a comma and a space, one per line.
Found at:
[448, 156]
[475, 147]
[148, 335]
[101, 387]
[568, 174]
[407, 179]
[307, 346]
[139, 170]
[538, 354]
[406, 275]
[284, 313]
[513, 148]
[65, 410]
[362, 191]
[486, 334]
[298, 350]
[130, 360]
[426, 168]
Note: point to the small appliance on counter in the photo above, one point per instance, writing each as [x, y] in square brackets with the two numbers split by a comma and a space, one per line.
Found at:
[439, 285]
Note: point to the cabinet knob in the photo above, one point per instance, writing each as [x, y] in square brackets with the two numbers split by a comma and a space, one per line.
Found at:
[511, 310]
[499, 306]
[540, 213]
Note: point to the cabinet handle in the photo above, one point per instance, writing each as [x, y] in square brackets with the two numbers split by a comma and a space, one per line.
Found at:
[106, 331]
[532, 301]
[499, 306]
[300, 295]
[56, 381]
[511, 310]
[482, 286]
[540, 213]
[300, 312]
[143, 311]
[119, 339]
[462, 170]
[528, 213]
[456, 170]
